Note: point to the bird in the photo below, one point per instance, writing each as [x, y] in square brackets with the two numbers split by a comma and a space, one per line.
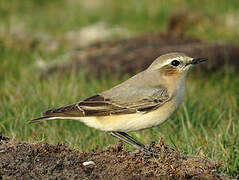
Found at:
[145, 100]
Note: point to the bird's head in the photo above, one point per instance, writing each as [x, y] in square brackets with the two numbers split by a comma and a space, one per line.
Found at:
[174, 64]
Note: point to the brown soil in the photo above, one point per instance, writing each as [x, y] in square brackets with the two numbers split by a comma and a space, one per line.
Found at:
[135, 54]
[40, 160]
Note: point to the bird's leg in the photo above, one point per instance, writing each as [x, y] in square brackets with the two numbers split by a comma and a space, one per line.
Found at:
[128, 139]
[131, 139]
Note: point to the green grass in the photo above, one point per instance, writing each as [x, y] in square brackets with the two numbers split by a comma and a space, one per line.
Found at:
[206, 124]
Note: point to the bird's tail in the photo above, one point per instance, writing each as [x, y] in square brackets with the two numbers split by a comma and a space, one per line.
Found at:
[42, 119]
[66, 112]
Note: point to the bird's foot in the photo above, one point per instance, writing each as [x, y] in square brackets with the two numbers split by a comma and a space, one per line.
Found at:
[150, 151]
[146, 151]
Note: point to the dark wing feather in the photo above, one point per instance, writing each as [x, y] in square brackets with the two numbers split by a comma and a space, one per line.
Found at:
[93, 106]
[128, 97]
[97, 105]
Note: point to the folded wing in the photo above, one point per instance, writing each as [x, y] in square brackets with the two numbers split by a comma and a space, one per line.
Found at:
[100, 105]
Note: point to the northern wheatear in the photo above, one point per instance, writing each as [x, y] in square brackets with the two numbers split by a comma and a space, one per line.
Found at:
[143, 101]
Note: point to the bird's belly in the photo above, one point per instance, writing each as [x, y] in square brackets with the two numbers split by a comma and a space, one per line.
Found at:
[132, 122]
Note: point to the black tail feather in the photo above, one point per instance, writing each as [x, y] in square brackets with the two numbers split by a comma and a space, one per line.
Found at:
[40, 119]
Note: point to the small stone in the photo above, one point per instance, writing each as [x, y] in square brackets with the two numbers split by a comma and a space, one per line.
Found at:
[86, 163]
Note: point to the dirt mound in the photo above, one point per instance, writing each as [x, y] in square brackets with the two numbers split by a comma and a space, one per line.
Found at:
[135, 54]
[40, 160]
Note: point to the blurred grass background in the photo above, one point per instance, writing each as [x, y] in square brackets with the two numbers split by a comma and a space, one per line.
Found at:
[206, 124]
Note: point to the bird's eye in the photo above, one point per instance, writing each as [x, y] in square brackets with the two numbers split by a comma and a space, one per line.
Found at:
[175, 62]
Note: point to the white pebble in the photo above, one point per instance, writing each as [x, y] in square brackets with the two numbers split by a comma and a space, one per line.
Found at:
[88, 163]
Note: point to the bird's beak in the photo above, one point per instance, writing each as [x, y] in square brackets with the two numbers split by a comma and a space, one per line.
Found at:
[196, 61]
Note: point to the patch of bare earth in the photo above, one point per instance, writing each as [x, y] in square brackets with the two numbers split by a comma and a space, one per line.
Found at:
[133, 55]
[23, 160]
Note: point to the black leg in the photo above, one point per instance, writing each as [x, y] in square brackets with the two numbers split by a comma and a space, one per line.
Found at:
[128, 139]
[131, 139]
